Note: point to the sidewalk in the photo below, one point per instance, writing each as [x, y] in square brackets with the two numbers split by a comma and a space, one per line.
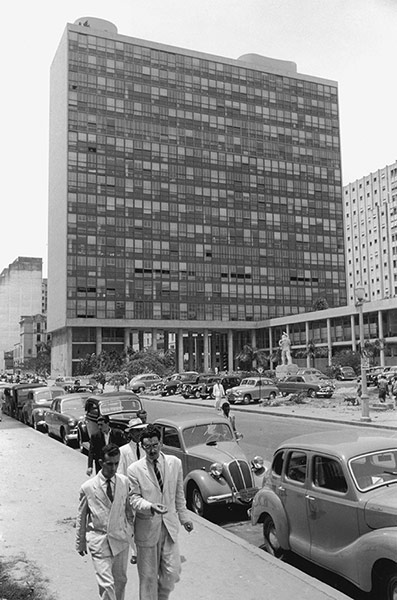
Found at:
[40, 481]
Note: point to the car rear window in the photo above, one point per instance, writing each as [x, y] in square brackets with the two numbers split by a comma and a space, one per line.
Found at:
[115, 405]
[374, 469]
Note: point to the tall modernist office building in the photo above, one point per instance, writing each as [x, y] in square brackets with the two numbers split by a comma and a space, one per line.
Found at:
[190, 195]
[370, 209]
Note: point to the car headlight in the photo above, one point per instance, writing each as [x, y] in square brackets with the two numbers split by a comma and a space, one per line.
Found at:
[257, 463]
[72, 423]
[216, 470]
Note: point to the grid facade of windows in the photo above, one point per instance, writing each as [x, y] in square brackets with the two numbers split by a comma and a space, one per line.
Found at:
[198, 189]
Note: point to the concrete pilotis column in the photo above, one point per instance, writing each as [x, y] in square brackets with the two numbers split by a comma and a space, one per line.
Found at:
[206, 362]
[307, 333]
[230, 351]
[127, 335]
[180, 351]
[154, 339]
[329, 342]
[98, 340]
[380, 331]
[141, 340]
[271, 347]
[192, 351]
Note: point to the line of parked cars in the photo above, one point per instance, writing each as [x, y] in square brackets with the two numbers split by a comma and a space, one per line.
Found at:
[239, 389]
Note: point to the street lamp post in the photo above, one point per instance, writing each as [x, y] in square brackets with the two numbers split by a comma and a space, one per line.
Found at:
[360, 293]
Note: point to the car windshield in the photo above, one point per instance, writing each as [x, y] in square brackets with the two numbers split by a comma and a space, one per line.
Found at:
[115, 405]
[210, 433]
[371, 470]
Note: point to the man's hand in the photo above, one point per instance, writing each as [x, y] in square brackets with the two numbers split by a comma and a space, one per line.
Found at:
[89, 471]
[188, 526]
[83, 552]
[159, 509]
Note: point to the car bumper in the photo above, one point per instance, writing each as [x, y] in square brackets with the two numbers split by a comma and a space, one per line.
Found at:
[244, 496]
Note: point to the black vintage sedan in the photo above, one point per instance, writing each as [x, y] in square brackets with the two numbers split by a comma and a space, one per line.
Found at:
[120, 407]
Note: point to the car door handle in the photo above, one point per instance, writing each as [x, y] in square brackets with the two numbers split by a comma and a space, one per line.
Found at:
[281, 490]
[312, 503]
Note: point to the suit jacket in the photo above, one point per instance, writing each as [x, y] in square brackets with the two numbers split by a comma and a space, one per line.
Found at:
[145, 491]
[97, 442]
[128, 455]
[103, 526]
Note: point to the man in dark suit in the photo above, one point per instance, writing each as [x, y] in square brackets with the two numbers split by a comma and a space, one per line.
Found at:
[104, 436]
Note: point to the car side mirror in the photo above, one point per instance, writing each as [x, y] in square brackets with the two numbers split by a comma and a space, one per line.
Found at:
[239, 435]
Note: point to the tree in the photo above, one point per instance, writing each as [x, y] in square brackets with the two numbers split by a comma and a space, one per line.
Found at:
[320, 304]
[346, 358]
[250, 358]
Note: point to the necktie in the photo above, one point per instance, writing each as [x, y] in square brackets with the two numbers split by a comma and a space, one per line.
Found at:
[138, 452]
[158, 474]
[109, 492]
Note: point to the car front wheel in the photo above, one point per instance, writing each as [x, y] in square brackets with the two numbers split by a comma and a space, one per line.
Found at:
[272, 396]
[246, 399]
[386, 586]
[197, 503]
[271, 542]
[64, 438]
[311, 393]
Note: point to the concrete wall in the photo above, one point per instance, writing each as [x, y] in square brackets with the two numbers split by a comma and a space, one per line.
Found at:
[57, 202]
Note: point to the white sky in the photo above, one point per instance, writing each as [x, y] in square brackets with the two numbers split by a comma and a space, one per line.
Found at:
[353, 42]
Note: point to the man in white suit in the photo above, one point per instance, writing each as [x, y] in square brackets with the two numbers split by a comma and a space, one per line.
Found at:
[159, 503]
[131, 452]
[104, 525]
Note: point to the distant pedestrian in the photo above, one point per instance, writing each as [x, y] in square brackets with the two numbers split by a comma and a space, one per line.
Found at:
[231, 418]
[218, 392]
[394, 388]
[383, 388]
[104, 436]
[104, 525]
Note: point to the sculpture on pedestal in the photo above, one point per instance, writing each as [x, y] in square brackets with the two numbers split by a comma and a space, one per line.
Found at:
[285, 345]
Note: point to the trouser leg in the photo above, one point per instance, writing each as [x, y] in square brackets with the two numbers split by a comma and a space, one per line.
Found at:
[147, 563]
[170, 566]
[119, 570]
[104, 576]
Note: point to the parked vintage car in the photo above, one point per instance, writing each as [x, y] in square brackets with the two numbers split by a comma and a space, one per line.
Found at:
[306, 383]
[203, 387]
[15, 396]
[215, 469]
[330, 497]
[61, 419]
[345, 374]
[38, 400]
[171, 385]
[373, 374]
[144, 381]
[252, 389]
[120, 407]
